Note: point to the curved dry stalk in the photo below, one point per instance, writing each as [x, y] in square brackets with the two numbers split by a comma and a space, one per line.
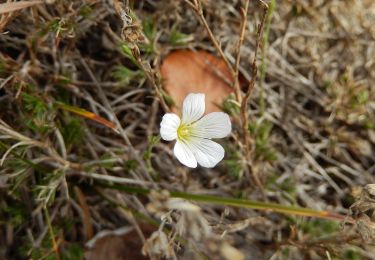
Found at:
[5, 155]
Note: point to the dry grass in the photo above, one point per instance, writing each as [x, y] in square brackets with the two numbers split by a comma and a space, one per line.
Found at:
[311, 130]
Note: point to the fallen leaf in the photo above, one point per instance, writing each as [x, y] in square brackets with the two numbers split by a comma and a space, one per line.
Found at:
[119, 244]
[186, 71]
[14, 6]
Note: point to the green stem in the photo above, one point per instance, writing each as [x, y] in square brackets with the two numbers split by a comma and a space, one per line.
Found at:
[242, 203]
[52, 234]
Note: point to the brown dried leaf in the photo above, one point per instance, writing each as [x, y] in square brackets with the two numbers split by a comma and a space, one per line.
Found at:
[186, 71]
[123, 243]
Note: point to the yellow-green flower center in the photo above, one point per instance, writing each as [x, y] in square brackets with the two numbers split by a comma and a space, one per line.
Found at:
[184, 131]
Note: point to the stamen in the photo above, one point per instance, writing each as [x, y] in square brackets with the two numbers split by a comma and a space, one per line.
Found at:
[184, 132]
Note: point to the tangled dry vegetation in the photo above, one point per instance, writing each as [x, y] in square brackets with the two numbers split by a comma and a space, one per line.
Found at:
[72, 187]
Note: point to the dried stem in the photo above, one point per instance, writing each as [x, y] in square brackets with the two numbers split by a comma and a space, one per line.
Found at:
[146, 68]
[152, 79]
[237, 88]
[118, 123]
[244, 105]
[197, 7]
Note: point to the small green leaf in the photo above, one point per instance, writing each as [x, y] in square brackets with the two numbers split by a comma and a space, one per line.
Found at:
[131, 165]
[231, 106]
[125, 75]
[72, 131]
[85, 11]
[127, 51]
[352, 254]
[177, 38]
[168, 99]
[149, 28]
[261, 131]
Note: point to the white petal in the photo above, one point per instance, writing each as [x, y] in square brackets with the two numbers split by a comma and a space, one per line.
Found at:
[213, 125]
[184, 155]
[193, 108]
[206, 152]
[168, 126]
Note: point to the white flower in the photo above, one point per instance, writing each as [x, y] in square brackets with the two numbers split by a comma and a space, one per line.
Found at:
[193, 133]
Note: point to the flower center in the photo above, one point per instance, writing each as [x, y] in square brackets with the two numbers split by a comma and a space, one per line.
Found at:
[184, 131]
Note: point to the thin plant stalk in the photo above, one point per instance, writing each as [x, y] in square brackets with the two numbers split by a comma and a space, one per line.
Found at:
[243, 203]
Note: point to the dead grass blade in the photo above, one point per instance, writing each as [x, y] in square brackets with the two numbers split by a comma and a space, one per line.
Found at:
[15, 6]
[87, 114]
